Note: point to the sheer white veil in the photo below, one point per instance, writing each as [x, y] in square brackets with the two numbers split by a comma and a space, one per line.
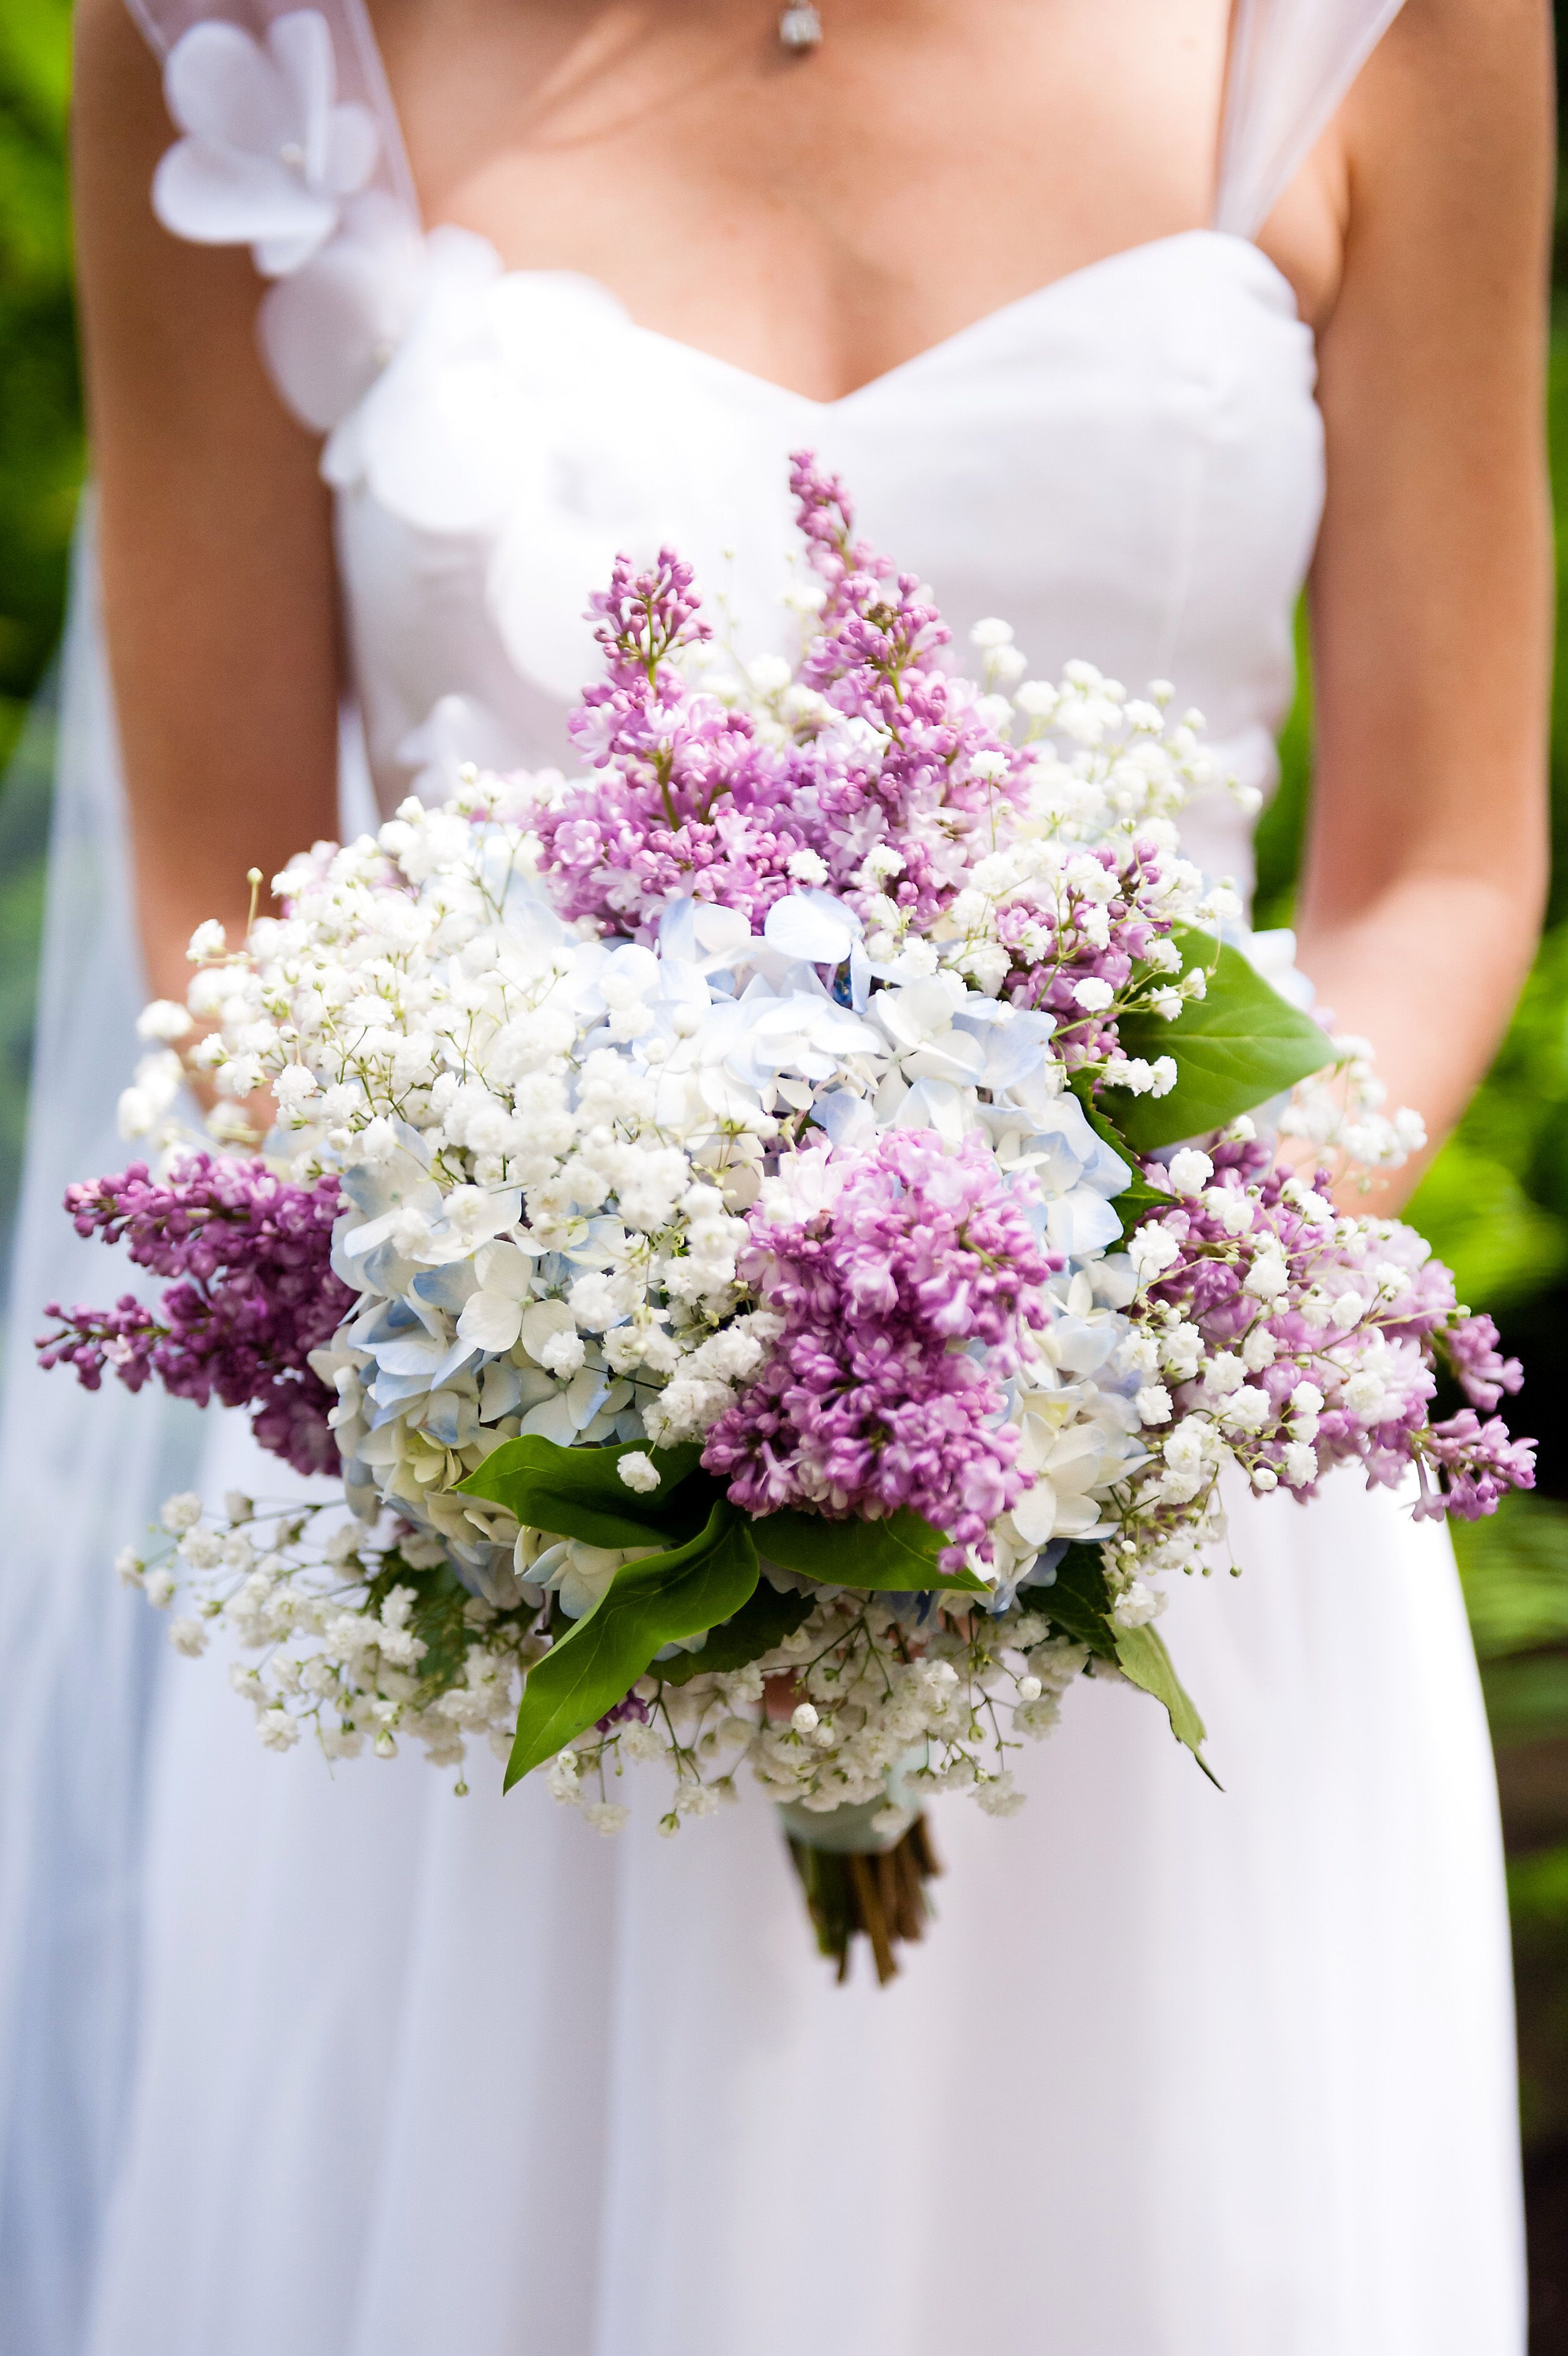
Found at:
[79, 1653]
[82, 1475]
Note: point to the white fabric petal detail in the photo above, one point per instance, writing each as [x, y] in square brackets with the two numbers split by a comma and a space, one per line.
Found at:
[220, 86]
[301, 45]
[353, 143]
[218, 196]
[442, 465]
[269, 158]
[329, 330]
[453, 479]
[280, 257]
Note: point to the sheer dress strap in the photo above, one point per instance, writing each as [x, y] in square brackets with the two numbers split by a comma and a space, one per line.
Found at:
[1292, 61]
[297, 40]
[290, 144]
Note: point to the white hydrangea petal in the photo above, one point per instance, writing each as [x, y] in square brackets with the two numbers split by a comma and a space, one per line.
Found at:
[491, 1322]
[1081, 1223]
[811, 926]
[1034, 1514]
[552, 1419]
[542, 1322]
[505, 1271]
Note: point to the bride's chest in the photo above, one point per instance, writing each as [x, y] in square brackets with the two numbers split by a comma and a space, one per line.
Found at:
[1124, 463]
[814, 220]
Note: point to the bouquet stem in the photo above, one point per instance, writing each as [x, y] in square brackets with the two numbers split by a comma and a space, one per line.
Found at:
[880, 1892]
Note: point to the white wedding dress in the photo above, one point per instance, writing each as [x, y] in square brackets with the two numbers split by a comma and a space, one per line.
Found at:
[376, 2071]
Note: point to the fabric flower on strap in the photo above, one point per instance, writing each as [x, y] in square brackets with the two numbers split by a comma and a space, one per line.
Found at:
[269, 154]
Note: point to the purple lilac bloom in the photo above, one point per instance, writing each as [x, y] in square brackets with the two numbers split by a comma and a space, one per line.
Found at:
[1479, 1464]
[901, 1301]
[1483, 1374]
[690, 802]
[687, 799]
[630, 1706]
[919, 767]
[255, 1295]
[1356, 1300]
[1059, 940]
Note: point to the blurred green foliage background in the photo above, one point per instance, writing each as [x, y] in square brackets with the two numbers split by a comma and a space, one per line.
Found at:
[40, 470]
[1495, 1204]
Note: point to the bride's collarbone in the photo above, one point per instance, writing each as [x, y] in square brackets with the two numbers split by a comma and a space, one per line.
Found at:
[817, 222]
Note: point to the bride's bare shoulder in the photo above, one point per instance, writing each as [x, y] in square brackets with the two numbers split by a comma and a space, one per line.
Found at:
[1457, 85]
[115, 81]
[214, 543]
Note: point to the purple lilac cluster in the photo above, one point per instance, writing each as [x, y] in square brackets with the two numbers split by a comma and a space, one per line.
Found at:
[940, 771]
[888, 749]
[901, 1301]
[1342, 1325]
[254, 1295]
[691, 800]
[1060, 939]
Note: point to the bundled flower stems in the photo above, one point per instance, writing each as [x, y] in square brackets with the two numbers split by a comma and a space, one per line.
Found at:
[774, 1240]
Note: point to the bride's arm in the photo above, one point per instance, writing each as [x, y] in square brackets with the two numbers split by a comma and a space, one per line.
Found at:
[1431, 602]
[219, 600]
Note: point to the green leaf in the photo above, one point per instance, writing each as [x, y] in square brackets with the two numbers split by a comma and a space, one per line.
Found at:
[756, 1629]
[1077, 1601]
[1137, 1196]
[578, 1493]
[1142, 1657]
[648, 1604]
[1235, 1047]
[895, 1556]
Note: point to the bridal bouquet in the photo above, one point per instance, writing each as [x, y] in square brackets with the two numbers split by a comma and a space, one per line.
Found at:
[777, 1238]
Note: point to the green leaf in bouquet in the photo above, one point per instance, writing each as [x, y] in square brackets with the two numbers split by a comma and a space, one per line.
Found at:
[1235, 1047]
[659, 1600]
[1138, 1196]
[761, 1623]
[1142, 1657]
[895, 1555]
[1078, 1602]
[578, 1493]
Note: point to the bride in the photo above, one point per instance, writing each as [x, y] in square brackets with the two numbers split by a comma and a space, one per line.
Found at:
[1088, 300]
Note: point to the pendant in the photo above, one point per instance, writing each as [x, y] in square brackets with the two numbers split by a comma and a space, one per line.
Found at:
[800, 28]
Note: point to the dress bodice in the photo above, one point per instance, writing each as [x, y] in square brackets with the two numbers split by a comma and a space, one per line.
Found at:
[1126, 465]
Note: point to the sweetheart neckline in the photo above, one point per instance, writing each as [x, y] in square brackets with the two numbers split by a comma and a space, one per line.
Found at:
[1037, 297]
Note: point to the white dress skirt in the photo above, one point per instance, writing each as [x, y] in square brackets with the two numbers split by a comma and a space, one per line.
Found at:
[1178, 2073]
